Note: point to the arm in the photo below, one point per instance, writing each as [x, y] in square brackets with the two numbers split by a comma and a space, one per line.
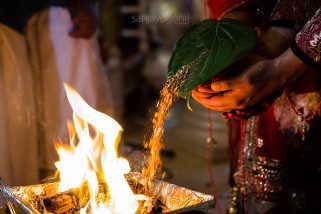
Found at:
[261, 79]
[255, 83]
[273, 43]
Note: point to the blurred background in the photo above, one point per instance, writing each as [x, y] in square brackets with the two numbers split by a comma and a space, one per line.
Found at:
[134, 39]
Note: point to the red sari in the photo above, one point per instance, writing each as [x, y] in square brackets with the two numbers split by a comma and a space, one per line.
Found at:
[280, 168]
[220, 7]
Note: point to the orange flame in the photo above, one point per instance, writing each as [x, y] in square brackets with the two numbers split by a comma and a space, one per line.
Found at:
[91, 159]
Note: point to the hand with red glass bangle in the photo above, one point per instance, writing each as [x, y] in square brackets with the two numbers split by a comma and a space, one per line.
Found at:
[255, 83]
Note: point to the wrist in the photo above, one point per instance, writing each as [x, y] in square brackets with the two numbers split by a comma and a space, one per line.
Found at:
[288, 68]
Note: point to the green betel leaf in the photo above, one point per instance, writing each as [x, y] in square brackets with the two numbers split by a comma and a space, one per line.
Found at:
[208, 48]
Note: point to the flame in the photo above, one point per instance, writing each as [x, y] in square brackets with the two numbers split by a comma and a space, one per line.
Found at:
[94, 159]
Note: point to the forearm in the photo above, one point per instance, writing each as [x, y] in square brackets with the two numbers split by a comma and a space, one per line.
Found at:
[287, 17]
[274, 41]
[288, 68]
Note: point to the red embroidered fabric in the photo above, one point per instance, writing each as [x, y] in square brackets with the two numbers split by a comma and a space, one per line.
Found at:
[296, 11]
[308, 40]
[281, 145]
[268, 130]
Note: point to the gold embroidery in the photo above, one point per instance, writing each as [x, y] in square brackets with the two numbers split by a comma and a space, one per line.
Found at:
[315, 48]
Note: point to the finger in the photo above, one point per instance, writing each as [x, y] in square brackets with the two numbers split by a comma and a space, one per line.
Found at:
[204, 101]
[201, 101]
[221, 102]
[238, 117]
[241, 115]
[233, 114]
[198, 99]
[226, 85]
[225, 115]
[201, 94]
[205, 89]
[229, 100]
[244, 113]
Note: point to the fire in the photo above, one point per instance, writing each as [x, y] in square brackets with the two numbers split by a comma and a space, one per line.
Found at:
[92, 157]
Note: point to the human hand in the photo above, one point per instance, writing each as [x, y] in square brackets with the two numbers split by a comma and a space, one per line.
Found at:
[83, 19]
[205, 90]
[255, 83]
[252, 110]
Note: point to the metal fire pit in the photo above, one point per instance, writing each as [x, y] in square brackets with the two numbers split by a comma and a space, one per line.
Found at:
[176, 199]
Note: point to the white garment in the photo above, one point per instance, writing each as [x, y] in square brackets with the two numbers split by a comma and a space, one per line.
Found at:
[18, 137]
[58, 58]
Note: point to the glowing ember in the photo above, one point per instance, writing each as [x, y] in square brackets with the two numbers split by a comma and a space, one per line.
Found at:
[92, 158]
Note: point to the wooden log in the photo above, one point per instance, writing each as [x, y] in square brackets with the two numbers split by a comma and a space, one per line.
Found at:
[77, 198]
[71, 200]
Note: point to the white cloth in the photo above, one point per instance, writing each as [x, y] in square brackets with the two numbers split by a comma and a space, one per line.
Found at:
[33, 104]
[59, 58]
[18, 137]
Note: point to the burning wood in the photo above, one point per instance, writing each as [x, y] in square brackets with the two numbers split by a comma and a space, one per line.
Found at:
[168, 197]
[73, 199]
[77, 198]
[92, 156]
[92, 175]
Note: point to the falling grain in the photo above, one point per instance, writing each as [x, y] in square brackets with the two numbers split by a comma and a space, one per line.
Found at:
[168, 95]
